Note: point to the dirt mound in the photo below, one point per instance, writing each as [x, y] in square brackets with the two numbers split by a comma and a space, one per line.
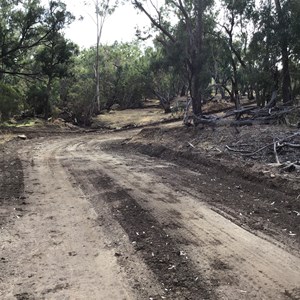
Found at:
[214, 147]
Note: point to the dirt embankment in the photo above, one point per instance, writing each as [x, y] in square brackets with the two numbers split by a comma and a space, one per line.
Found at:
[274, 207]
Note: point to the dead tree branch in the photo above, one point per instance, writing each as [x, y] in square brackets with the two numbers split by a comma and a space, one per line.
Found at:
[236, 150]
[275, 153]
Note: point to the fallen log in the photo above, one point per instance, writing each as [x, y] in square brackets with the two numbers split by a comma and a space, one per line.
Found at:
[240, 111]
[252, 116]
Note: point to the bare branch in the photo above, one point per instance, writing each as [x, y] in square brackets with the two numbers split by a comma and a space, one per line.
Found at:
[153, 21]
[19, 73]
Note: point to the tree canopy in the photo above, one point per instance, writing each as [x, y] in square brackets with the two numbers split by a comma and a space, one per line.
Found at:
[200, 48]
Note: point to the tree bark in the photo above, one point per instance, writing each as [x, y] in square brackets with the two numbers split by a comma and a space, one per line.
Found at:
[97, 72]
[286, 78]
[194, 62]
[197, 62]
[47, 99]
[235, 97]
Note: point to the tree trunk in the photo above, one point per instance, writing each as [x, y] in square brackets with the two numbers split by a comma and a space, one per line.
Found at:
[197, 63]
[97, 72]
[286, 78]
[183, 91]
[250, 93]
[47, 100]
[235, 97]
[258, 97]
[196, 94]
[165, 104]
[235, 88]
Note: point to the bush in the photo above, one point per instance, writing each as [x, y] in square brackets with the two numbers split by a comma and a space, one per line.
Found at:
[9, 101]
[35, 98]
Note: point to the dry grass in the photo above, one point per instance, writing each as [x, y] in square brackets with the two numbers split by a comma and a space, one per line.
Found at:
[6, 137]
[30, 122]
[136, 117]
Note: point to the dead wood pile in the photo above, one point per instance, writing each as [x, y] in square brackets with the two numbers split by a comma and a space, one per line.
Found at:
[278, 146]
[251, 115]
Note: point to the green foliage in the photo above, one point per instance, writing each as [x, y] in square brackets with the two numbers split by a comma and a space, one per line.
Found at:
[9, 101]
[244, 50]
[295, 28]
[122, 75]
[35, 98]
[20, 31]
[31, 44]
[81, 100]
[165, 76]
[54, 59]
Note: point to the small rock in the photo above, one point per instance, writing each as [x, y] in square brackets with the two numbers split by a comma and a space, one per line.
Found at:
[22, 136]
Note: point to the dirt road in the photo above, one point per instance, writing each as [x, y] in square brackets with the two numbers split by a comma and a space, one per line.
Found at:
[97, 223]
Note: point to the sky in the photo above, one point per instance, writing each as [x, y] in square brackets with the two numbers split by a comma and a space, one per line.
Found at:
[119, 26]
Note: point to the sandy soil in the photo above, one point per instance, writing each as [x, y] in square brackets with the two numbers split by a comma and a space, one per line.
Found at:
[97, 216]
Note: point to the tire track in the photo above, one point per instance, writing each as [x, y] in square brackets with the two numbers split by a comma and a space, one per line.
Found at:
[253, 271]
[168, 242]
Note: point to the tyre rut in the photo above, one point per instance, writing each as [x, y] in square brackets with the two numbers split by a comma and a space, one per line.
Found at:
[236, 263]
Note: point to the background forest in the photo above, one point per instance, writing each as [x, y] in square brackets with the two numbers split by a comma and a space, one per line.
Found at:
[201, 48]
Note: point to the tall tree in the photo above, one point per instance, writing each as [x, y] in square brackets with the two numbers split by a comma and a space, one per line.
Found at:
[191, 16]
[23, 28]
[237, 14]
[54, 62]
[103, 8]
[283, 29]
[54, 57]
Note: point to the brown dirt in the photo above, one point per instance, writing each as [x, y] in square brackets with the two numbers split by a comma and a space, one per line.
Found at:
[12, 201]
[274, 206]
[144, 215]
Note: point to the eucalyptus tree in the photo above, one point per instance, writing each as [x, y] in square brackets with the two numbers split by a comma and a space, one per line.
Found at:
[125, 80]
[54, 61]
[284, 34]
[235, 33]
[262, 55]
[103, 8]
[295, 48]
[220, 60]
[122, 70]
[166, 75]
[275, 50]
[295, 29]
[191, 40]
